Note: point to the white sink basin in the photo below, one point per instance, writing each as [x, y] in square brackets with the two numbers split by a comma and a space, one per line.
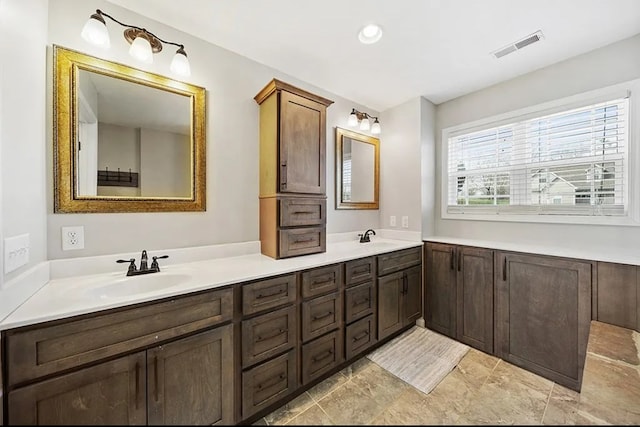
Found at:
[133, 285]
[377, 245]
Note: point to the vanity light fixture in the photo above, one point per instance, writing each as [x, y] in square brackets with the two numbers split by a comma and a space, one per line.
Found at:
[361, 120]
[143, 43]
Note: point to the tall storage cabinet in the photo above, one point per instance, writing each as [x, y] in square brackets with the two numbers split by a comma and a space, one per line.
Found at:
[293, 198]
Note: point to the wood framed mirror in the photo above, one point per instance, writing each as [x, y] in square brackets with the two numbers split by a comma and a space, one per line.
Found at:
[357, 170]
[125, 140]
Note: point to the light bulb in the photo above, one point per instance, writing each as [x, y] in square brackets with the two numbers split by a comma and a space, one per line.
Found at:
[95, 32]
[375, 127]
[353, 119]
[141, 49]
[180, 63]
[364, 124]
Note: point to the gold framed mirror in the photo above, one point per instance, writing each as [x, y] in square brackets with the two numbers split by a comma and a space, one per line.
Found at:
[125, 140]
[357, 170]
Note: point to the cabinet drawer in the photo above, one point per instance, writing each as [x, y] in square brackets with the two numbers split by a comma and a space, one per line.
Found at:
[321, 315]
[266, 294]
[320, 281]
[359, 336]
[32, 353]
[399, 260]
[267, 335]
[296, 212]
[321, 355]
[359, 301]
[302, 241]
[268, 382]
[359, 270]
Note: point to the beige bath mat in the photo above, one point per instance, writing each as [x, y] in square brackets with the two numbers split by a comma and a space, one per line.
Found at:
[420, 357]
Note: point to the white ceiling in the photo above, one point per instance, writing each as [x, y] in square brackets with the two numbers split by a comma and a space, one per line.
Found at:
[439, 49]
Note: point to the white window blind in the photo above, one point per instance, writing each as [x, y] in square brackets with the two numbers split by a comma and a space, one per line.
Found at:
[567, 163]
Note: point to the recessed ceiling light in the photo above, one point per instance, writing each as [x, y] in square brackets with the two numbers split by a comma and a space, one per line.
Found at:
[370, 33]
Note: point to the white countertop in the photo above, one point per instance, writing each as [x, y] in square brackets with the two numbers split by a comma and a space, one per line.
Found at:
[587, 253]
[71, 296]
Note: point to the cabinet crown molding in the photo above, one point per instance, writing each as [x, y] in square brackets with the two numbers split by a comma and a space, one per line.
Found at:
[276, 84]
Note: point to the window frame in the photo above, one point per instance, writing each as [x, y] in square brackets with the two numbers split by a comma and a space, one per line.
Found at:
[632, 174]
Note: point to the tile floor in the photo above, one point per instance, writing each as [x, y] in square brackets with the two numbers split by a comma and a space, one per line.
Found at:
[482, 389]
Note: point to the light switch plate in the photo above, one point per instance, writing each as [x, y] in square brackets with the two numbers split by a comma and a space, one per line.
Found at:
[392, 220]
[16, 252]
[405, 222]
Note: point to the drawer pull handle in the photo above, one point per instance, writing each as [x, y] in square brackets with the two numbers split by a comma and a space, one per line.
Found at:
[271, 381]
[361, 271]
[361, 336]
[328, 278]
[155, 374]
[137, 384]
[322, 356]
[360, 302]
[322, 316]
[268, 337]
[303, 212]
[283, 175]
[504, 270]
[272, 294]
[303, 240]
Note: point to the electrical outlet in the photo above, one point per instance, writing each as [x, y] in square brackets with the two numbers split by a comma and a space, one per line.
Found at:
[405, 222]
[392, 220]
[16, 252]
[72, 238]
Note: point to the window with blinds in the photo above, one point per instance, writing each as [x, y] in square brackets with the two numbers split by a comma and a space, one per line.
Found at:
[567, 163]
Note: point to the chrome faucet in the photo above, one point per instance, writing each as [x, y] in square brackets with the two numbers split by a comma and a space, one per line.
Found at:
[144, 269]
[364, 238]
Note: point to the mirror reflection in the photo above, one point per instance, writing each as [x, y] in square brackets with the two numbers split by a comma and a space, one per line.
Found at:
[357, 169]
[133, 139]
[125, 140]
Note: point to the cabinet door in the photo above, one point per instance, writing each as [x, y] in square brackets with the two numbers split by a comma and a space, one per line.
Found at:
[440, 288]
[302, 145]
[191, 380]
[618, 296]
[412, 294]
[390, 299]
[109, 393]
[475, 297]
[543, 313]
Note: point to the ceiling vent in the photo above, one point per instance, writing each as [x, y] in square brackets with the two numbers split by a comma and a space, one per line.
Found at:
[535, 37]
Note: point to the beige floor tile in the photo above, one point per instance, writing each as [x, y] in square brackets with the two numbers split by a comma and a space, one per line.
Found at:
[416, 408]
[610, 390]
[327, 386]
[510, 395]
[314, 416]
[260, 422]
[562, 409]
[349, 405]
[356, 367]
[289, 410]
[613, 342]
[380, 384]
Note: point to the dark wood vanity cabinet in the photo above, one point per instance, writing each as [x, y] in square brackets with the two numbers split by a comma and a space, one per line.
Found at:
[269, 345]
[292, 170]
[321, 322]
[399, 290]
[459, 293]
[618, 295]
[360, 302]
[543, 313]
[61, 373]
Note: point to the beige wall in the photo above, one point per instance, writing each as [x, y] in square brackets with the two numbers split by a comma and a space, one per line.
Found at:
[23, 121]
